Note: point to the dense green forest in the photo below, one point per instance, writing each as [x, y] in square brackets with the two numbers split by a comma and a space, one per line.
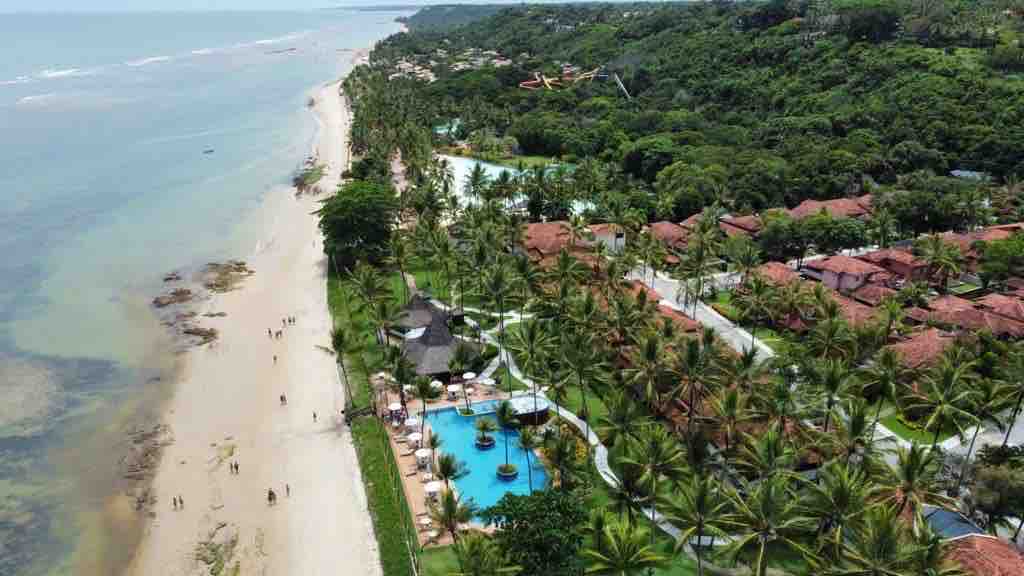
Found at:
[447, 16]
[754, 104]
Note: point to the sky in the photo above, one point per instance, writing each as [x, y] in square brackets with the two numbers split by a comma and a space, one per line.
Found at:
[194, 5]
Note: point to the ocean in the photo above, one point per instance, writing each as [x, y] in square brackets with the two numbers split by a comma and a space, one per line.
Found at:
[131, 145]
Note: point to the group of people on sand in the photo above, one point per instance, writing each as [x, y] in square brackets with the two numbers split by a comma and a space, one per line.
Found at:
[278, 334]
[178, 503]
[272, 496]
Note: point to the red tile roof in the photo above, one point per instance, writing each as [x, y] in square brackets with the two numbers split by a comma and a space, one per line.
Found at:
[669, 233]
[547, 238]
[949, 303]
[635, 287]
[751, 224]
[923, 348]
[777, 273]
[855, 313]
[872, 294]
[838, 208]
[881, 257]
[682, 321]
[981, 555]
[957, 312]
[691, 222]
[1002, 305]
[844, 265]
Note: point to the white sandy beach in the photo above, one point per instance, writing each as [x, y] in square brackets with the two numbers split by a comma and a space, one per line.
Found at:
[228, 398]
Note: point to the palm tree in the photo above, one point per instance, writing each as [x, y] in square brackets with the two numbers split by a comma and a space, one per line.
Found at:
[400, 258]
[767, 518]
[876, 547]
[496, 287]
[340, 344]
[529, 280]
[657, 455]
[943, 259]
[881, 380]
[424, 392]
[529, 440]
[698, 508]
[450, 513]
[623, 421]
[989, 401]
[754, 303]
[913, 479]
[598, 520]
[484, 428]
[625, 552]
[834, 380]
[838, 501]
[766, 455]
[506, 416]
[744, 255]
[479, 555]
[731, 409]
[582, 366]
[434, 442]
[561, 455]
[832, 338]
[946, 398]
[696, 365]
[627, 493]
[449, 469]
[1013, 375]
[647, 370]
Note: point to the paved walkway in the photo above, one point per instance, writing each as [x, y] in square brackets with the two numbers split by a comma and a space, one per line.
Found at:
[737, 338]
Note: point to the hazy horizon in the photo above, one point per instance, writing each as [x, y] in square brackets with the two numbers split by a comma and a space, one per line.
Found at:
[80, 6]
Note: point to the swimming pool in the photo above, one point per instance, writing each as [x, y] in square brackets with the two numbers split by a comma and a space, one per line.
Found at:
[482, 483]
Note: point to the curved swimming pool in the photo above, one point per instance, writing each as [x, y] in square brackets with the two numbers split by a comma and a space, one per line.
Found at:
[482, 483]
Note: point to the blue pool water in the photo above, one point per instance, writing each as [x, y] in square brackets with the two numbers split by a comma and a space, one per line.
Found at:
[482, 483]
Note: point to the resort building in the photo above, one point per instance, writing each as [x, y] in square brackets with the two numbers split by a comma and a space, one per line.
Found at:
[841, 273]
[611, 235]
[733, 226]
[672, 235]
[902, 263]
[923, 348]
[776, 273]
[430, 349]
[984, 555]
[859, 207]
[959, 313]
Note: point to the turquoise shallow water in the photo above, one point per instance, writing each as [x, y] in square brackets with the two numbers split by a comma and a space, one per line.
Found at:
[482, 483]
[105, 186]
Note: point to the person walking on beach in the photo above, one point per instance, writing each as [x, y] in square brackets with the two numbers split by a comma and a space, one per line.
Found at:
[314, 417]
[174, 502]
[287, 491]
[275, 358]
[270, 333]
[284, 400]
[181, 502]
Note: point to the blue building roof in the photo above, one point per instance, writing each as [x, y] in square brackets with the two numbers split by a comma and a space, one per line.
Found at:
[949, 524]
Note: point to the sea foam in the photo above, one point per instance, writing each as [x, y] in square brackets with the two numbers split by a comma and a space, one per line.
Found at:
[147, 61]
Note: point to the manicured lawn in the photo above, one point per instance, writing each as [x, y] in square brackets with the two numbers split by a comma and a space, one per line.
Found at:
[385, 498]
[439, 561]
[910, 434]
[574, 402]
[723, 299]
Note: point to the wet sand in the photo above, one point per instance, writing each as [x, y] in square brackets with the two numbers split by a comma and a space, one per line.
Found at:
[226, 409]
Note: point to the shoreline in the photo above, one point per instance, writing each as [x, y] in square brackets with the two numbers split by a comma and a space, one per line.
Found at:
[224, 408]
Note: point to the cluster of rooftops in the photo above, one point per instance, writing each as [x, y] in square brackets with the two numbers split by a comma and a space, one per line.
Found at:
[858, 283]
